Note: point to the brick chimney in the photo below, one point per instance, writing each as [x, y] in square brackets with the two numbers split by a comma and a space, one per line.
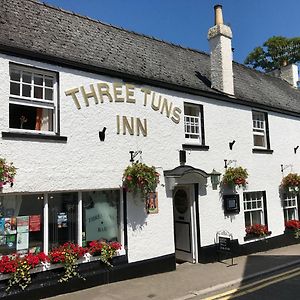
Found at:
[219, 37]
[288, 73]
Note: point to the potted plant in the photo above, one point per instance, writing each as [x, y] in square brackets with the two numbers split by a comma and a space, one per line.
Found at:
[235, 177]
[291, 183]
[293, 226]
[257, 231]
[139, 177]
[7, 173]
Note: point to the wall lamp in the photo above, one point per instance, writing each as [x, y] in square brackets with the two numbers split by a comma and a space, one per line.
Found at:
[215, 178]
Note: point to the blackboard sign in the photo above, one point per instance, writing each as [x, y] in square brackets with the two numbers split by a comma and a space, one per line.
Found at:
[224, 244]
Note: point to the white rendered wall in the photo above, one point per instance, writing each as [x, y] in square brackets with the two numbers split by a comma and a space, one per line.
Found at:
[85, 163]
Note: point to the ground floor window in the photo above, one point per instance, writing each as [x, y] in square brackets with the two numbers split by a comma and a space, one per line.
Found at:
[290, 207]
[255, 208]
[39, 222]
[101, 215]
[21, 223]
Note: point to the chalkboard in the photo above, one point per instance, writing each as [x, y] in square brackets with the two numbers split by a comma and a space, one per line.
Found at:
[224, 244]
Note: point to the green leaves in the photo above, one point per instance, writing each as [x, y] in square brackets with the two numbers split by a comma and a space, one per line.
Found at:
[276, 52]
[235, 176]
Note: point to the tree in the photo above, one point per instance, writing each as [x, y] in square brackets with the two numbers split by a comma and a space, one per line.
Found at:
[276, 52]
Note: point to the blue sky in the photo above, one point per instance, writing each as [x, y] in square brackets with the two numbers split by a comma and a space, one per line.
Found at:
[186, 22]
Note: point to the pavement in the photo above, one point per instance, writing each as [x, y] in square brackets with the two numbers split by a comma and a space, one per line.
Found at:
[194, 281]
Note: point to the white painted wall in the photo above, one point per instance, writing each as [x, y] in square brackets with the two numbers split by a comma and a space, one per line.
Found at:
[85, 163]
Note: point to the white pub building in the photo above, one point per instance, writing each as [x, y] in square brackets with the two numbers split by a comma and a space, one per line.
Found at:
[81, 99]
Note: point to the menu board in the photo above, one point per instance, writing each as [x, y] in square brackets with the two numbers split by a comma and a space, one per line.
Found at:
[35, 223]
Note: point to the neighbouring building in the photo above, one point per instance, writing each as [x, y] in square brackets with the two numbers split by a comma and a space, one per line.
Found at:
[78, 95]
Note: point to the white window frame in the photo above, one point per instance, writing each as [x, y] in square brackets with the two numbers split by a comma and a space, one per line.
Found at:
[254, 208]
[259, 127]
[290, 203]
[193, 123]
[32, 101]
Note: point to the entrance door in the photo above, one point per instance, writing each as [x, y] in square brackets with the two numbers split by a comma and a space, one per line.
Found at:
[184, 224]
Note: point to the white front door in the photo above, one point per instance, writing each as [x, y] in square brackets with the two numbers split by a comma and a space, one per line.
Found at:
[184, 224]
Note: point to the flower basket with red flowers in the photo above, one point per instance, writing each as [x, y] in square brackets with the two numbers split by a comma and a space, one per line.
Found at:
[19, 268]
[235, 177]
[105, 250]
[7, 173]
[139, 177]
[68, 254]
[293, 225]
[257, 230]
[291, 183]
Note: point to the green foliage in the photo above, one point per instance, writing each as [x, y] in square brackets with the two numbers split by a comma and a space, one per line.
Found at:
[235, 176]
[139, 177]
[275, 53]
[291, 183]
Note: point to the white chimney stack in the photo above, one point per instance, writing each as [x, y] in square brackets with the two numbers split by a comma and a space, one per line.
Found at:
[288, 73]
[219, 37]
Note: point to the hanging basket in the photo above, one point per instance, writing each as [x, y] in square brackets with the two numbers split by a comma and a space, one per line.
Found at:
[291, 183]
[139, 177]
[7, 173]
[234, 177]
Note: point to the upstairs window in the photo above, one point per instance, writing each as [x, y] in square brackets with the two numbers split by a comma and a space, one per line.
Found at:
[33, 99]
[193, 124]
[260, 130]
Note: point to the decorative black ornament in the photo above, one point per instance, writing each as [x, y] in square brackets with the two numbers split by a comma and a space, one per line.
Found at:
[231, 144]
[102, 134]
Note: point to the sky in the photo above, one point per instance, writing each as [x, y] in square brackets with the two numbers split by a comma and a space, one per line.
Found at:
[186, 22]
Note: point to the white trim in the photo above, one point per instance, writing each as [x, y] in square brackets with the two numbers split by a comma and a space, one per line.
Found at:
[46, 225]
[79, 219]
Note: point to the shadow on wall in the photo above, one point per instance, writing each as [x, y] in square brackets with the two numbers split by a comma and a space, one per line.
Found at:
[136, 216]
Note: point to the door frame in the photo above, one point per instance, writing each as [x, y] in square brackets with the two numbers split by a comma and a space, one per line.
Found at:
[192, 191]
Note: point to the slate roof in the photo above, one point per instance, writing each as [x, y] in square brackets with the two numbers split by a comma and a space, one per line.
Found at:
[43, 31]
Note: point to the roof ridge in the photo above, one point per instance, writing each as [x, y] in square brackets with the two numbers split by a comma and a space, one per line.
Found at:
[43, 3]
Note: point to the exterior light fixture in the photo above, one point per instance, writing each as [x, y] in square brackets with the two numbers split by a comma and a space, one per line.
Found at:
[215, 178]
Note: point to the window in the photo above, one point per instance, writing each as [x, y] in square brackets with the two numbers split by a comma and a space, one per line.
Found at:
[255, 208]
[260, 130]
[33, 99]
[193, 123]
[21, 224]
[290, 207]
[101, 216]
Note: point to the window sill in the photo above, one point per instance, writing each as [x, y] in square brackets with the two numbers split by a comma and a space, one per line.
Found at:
[253, 237]
[195, 147]
[30, 136]
[266, 151]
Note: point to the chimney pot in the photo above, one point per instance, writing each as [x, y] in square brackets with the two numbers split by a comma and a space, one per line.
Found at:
[218, 14]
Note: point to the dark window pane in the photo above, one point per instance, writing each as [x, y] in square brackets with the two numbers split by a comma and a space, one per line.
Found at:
[27, 77]
[48, 94]
[26, 90]
[15, 88]
[48, 81]
[15, 75]
[38, 92]
[38, 79]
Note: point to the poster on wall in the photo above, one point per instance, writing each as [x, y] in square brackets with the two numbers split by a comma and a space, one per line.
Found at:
[11, 241]
[152, 203]
[62, 220]
[22, 224]
[22, 240]
[10, 226]
[35, 223]
[2, 224]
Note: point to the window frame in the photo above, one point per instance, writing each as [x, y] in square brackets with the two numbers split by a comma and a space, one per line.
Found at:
[201, 140]
[262, 209]
[257, 131]
[36, 102]
[286, 198]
